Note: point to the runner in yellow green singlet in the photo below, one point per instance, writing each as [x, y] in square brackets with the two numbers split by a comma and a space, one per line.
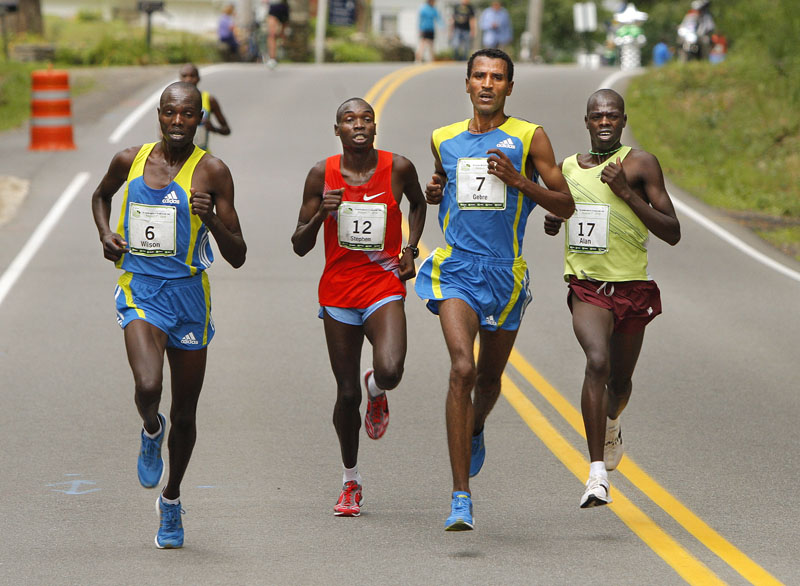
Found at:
[620, 198]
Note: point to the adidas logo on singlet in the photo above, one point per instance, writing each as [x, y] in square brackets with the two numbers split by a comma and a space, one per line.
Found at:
[189, 339]
[171, 197]
[506, 143]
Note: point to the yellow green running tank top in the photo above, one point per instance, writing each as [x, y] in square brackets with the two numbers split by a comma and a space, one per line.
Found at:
[605, 240]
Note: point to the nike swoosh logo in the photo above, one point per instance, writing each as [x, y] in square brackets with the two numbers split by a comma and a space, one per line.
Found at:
[371, 197]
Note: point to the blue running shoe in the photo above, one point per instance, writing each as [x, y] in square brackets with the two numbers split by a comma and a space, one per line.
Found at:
[477, 454]
[170, 532]
[151, 465]
[460, 518]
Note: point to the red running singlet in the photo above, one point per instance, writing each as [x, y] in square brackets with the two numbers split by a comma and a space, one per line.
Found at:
[358, 278]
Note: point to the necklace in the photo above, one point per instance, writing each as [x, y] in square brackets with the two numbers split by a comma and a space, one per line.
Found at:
[605, 153]
[487, 129]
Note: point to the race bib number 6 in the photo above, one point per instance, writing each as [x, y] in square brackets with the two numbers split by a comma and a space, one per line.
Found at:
[151, 229]
[588, 228]
[362, 226]
[476, 189]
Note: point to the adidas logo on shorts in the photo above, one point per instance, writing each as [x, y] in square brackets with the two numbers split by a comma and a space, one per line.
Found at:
[506, 143]
[171, 197]
[189, 339]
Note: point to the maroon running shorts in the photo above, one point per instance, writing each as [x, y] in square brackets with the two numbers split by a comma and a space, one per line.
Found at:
[633, 303]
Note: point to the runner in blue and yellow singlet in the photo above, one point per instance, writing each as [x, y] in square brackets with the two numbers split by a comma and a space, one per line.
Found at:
[176, 195]
[211, 107]
[620, 198]
[485, 183]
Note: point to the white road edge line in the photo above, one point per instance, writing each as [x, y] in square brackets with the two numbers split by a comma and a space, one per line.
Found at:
[710, 225]
[17, 266]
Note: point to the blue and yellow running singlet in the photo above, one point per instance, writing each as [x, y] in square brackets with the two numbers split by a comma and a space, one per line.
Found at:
[479, 213]
[166, 240]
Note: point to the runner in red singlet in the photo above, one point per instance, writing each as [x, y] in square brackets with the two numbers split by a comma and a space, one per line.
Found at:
[356, 196]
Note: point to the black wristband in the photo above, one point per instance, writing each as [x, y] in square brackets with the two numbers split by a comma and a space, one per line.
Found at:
[414, 250]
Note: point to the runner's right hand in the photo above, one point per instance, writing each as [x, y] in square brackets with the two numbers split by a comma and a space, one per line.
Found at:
[114, 246]
[552, 224]
[330, 201]
[433, 190]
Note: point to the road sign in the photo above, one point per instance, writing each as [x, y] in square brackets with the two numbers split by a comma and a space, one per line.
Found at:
[584, 14]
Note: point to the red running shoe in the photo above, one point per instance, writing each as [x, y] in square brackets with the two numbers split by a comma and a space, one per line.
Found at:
[376, 419]
[349, 504]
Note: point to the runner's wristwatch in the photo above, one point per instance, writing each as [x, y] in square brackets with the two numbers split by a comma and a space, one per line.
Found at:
[414, 250]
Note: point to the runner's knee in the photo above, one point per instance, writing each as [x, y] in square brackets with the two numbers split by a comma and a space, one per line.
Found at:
[348, 397]
[597, 366]
[462, 375]
[387, 377]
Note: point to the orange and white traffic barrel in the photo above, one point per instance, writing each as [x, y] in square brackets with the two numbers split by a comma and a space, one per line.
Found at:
[51, 111]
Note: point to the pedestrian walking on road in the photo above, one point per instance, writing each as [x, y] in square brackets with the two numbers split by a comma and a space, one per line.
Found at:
[485, 178]
[176, 196]
[620, 198]
[356, 197]
[190, 74]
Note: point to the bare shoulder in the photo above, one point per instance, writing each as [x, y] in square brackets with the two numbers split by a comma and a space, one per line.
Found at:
[126, 156]
[402, 164]
[212, 165]
[642, 157]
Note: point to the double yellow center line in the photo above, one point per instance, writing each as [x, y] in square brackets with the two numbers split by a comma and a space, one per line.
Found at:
[673, 553]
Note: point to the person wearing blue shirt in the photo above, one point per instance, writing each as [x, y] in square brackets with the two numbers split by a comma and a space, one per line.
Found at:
[661, 54]
[429, 17]
[495, 24]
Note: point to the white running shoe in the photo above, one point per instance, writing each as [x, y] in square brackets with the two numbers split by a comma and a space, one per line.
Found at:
[613, 448]
[596, 493]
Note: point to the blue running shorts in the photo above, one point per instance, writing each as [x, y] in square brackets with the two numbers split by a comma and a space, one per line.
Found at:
[179, 307]
[355, 317]
[497, 289]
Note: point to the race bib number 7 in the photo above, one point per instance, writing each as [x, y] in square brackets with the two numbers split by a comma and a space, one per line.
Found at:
[151, 229]
[476, 189]
[588, 228]
[362, 226]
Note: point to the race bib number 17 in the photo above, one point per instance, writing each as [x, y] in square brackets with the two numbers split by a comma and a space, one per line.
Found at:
[588, 228]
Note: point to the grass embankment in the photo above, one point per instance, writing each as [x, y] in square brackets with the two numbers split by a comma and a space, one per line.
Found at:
[730, 135]
[86, 41]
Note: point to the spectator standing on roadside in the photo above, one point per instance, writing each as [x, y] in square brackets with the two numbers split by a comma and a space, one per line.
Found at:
[226, 30]
[463, 30]
[661, 53]
[495, 25]
[276, 28]
[429, 17]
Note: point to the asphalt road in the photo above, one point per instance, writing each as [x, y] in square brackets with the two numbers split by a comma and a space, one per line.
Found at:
[704, 495]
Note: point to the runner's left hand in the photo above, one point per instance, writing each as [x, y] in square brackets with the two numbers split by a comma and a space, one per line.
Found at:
[501, 167]
[202, 204]
[408, 270]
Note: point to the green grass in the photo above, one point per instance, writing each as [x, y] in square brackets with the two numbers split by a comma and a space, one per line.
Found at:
[89, 41]
[729, 134]
[15, 93]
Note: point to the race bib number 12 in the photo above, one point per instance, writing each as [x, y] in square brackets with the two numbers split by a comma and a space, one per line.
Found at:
[362, 226]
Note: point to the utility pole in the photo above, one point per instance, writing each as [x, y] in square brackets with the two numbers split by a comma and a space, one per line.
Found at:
[535, 8]
[319, 35]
